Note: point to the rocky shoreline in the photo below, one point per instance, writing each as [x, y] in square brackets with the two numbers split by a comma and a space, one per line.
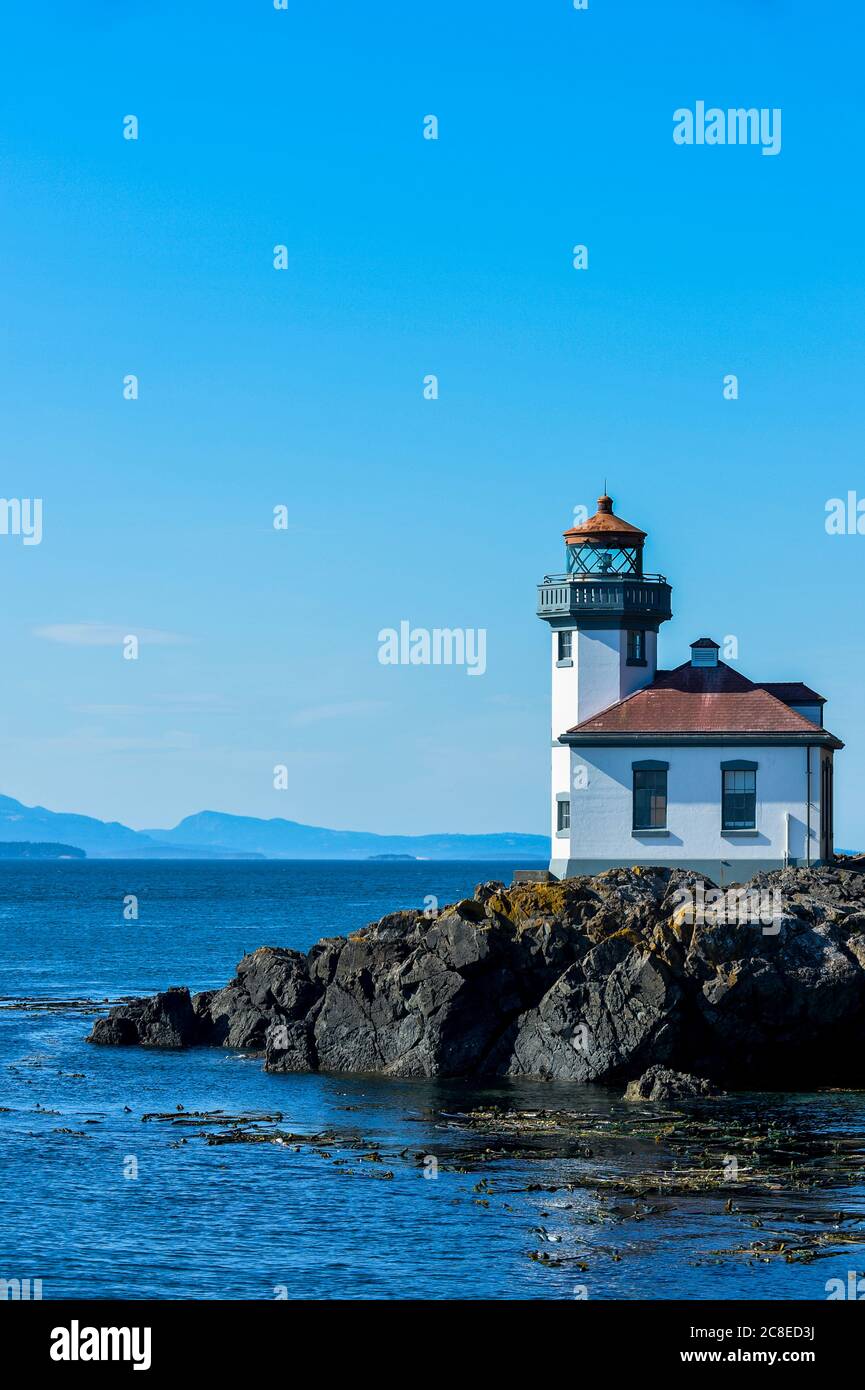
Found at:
[593, 979]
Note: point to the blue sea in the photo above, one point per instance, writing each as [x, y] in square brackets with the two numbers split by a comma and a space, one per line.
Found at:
[402, 1197]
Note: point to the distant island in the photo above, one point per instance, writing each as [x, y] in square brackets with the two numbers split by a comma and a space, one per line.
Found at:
[217, 835]
[39, 849]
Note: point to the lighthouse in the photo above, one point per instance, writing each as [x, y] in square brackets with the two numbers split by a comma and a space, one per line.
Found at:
[695, 767]
[604, 613]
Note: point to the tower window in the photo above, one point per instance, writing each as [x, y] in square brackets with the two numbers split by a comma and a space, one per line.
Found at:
[636, 648]
[650, 798]
[738, 799]
[563, 815]
[565, 646]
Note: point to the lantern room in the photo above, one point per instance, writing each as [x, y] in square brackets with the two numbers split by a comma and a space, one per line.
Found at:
[605, 546]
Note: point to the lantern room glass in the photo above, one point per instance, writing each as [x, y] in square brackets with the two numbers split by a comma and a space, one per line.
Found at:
[604, 559]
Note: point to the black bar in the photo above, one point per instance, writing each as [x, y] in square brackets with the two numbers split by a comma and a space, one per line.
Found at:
[279, 1338]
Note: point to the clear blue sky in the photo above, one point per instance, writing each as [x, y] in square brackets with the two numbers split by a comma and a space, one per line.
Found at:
[304, 387]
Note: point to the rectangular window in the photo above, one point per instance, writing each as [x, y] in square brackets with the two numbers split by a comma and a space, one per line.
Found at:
[636, 648]
[563, 819]
[565, 646]
[739, 799]
[650, 799]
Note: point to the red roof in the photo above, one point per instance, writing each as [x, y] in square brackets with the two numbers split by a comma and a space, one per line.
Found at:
[701, 700]
[606, 525]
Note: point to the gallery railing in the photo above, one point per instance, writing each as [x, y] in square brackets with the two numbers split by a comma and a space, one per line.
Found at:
[575, 594]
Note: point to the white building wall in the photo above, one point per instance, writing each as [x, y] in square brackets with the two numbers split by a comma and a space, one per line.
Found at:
[599, 674]
[635, 677]
[564, 687]
[560, 782]
[601, 813]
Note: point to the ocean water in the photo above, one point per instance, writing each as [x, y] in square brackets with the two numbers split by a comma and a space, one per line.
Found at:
[388, 1188]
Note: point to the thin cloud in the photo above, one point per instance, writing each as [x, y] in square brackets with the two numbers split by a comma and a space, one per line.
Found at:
[161, 704]
[106, 635]
[89, 741]
[315, 714]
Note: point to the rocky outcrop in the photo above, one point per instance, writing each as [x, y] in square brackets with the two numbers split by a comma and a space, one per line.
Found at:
[659, 1083]
[167, 1020]
[591, 979]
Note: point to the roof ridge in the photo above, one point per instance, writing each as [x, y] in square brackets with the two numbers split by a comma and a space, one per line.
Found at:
[719, 666]
[767, 685]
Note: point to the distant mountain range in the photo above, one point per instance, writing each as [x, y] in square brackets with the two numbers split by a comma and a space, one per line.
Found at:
[214, 835]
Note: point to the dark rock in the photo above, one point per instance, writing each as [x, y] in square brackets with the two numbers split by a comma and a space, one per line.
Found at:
[166, 1020]
[290, 1048]
[271, 985]
[485, 891]
[659, 1083]
[114, 1031]
[590, 979]
[612, 1014]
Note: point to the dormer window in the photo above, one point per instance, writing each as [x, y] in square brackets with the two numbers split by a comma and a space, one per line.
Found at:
[704, 652]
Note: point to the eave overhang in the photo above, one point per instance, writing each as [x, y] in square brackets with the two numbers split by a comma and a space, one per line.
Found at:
[820, 737]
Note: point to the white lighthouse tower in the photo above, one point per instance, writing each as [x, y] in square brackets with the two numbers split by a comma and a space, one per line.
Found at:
[604, 613]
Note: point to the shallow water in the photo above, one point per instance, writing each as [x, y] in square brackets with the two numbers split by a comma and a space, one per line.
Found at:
[97, 1202]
